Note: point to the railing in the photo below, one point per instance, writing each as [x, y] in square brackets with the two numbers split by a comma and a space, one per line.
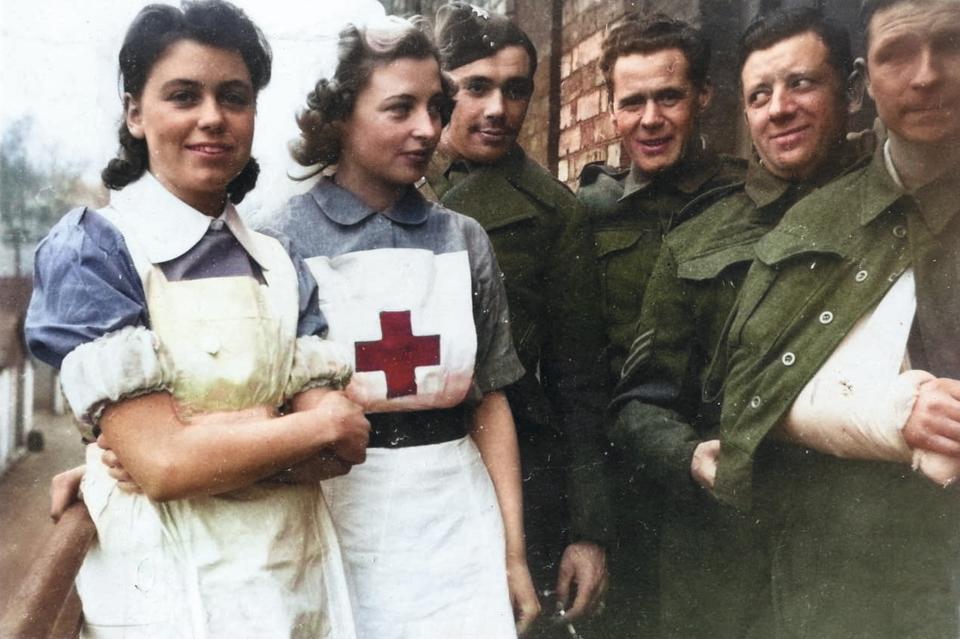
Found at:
[46, 605]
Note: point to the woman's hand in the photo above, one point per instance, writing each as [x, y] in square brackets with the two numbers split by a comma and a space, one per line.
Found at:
[332, 409]
[65, 490]
[523, 596]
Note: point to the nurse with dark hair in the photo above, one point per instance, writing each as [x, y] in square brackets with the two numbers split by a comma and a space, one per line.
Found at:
[180, 334]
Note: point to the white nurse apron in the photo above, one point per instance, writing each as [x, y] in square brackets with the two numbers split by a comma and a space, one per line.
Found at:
[258, 562]
[420, 527]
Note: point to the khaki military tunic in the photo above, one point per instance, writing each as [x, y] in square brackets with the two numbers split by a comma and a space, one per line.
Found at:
[540, 238]
[858, 548]
[629, 215]
[713, 564]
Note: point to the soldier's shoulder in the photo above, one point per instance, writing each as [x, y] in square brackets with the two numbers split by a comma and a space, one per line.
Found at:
[598, 171]
[537, 182]
[600, 186]
[732, 169]
[714, 209]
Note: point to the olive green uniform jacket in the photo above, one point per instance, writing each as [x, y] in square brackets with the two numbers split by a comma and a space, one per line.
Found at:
[629, 215]
[713, 564]
[858, 548]
[540, 238]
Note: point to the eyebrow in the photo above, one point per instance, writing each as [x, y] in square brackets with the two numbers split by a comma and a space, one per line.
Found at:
[477, 78]
[642, 96]
[399, 96]
[184, 82]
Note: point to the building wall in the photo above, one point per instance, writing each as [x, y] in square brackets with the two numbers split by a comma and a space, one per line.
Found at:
[586, 133]
[568, 124]
[9, 435]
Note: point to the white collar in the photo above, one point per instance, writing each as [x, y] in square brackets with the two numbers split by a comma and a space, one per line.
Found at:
[891, 168]
[167, 227]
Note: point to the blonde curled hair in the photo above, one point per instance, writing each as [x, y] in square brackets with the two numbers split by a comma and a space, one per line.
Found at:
[360, 50]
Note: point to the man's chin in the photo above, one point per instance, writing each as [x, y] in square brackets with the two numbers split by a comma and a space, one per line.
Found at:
[488, 153]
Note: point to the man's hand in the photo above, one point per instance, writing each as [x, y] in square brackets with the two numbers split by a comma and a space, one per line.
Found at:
[65, 490]
[703, 466]
[523, 596]
[115, 469]
[584, 564]
[934, 424]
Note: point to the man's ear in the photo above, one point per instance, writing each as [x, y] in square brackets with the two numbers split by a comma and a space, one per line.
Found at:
[133, 116]
[857, 83]
[705, 95]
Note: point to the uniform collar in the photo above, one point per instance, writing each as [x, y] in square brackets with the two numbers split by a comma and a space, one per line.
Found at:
[167, 227]
[345, 208]
[765, 188]
[700, 163]
[879, 189]
[938, 201]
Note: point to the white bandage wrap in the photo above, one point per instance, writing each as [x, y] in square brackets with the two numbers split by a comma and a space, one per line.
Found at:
[859, 400]
[318, 363]
[120, 365]
[856, 420]
[941, 469]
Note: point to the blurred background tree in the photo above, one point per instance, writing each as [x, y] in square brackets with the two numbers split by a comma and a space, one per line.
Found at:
[35, 190]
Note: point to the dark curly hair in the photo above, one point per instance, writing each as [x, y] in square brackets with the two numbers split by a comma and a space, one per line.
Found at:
[768, 29]
[360, 50]
[211, 22]
[639, 33]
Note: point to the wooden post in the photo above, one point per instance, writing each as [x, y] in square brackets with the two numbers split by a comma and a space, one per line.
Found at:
[46, 605]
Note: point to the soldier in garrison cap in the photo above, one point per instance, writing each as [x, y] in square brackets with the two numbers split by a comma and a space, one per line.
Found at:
[539, 234]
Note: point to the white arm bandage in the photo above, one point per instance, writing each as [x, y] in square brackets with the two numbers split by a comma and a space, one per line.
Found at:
[857, 403]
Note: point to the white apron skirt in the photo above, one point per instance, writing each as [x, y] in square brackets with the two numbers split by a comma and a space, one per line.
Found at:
[204, 567]
[423, 543]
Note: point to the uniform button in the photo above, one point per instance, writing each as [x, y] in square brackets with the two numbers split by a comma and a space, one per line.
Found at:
[900, 231]
[755, 402]
[788, 359]
[826, 317]
[211, 345]
[860, 276]
[216, 224]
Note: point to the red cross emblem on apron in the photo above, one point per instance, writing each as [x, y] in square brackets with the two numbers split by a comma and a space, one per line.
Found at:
[398, 353]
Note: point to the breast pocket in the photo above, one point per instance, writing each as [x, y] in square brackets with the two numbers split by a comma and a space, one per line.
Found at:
[522, 249]
[625, 259]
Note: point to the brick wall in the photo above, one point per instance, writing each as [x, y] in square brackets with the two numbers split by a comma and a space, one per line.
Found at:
[568, 124]
[586, 131]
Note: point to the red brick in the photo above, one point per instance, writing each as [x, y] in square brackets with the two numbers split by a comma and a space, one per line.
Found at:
[588, 105]
[566, 116]
[604, 131]
[569, 141]
[586, 132]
